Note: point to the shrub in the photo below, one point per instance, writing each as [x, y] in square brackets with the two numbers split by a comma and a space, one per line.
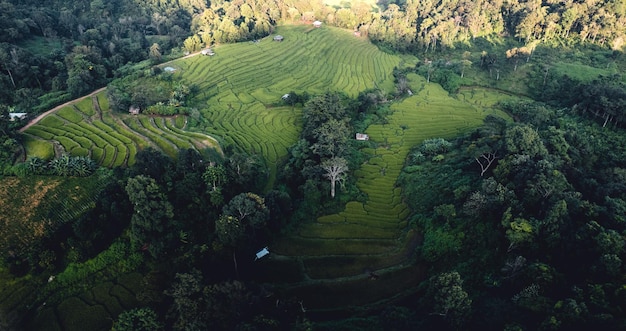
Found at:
[139, 319]
[435, 146]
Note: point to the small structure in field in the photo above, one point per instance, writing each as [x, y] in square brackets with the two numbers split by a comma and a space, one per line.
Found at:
[362, 136]
[357, 33]
[208, 52]
[169, 69]
[285, 97]
[278, 38]
[261, 253]
[133, 110]
[317, 24]
[17, 116]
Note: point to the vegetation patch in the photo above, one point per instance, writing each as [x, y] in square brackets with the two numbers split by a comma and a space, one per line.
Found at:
[105, 138]
[37, 147]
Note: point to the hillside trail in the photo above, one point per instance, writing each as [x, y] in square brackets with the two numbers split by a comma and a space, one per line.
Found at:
[41, 116]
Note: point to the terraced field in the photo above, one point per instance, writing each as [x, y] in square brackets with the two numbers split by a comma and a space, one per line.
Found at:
[242, 82]
[329, 262]
[343, 249]
[88, 128]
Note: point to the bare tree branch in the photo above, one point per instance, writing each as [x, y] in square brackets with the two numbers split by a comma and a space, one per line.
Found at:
[485, 161]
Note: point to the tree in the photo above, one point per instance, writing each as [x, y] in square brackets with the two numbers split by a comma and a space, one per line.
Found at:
[7, 63]
[138, 319]
[485, 161]
[331, 139]
[523, 139]
[321, 109]
[189, 302]
[246, 172]
[155, 53]
[152, 221]
[518, 231]
[450, 299]
[85, 73]
[152, 163]
[336, 169]
[249, 208]
[230, 232]
[215, 176]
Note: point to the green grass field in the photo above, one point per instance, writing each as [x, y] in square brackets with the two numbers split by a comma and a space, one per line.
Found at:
[242, 82]
[89, 128]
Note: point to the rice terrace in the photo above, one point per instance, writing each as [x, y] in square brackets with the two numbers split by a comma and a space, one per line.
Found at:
[328, 262]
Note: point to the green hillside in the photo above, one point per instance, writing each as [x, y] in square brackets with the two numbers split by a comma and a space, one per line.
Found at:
[372, 236]
[241, 84]
[87, 127]
[239, 101]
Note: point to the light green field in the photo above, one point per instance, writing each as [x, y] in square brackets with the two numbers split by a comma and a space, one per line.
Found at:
[581, 72]
[240, 84]
[89, 128]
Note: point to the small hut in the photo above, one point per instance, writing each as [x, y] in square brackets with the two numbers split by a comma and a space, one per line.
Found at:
[317, 24]
[362, 136]
[262, 253]
[133, 110]
[278, 38]
[17, 116]
[208, 52]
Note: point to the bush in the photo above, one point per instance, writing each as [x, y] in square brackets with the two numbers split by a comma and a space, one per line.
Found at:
[140, 319]
[435, 146]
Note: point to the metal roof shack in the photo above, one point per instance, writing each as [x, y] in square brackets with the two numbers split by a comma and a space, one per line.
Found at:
[261, 253]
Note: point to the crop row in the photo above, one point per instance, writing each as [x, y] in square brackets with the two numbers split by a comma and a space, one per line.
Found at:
[110, 141]
[384, 214]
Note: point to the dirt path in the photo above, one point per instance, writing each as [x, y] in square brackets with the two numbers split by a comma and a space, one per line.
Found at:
[38, 118]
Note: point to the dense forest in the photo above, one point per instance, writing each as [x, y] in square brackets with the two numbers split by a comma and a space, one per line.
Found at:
[53, 51]
[521, 220]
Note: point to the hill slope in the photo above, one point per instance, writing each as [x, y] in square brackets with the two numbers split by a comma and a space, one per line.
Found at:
[242, 84]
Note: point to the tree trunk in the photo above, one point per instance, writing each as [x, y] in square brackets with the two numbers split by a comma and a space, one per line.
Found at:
[235, 262]
[332, 188]
[11, 76]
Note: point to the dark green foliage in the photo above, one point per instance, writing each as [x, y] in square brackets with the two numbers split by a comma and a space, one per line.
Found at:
[536, 218]
[245, 172]
[152, 222]
[139, 319]
[78, 166]
[8, 144]
[249, 209]
[152, 163]
[434, 146]
[102, 224]
[280, 206]
[450, 300]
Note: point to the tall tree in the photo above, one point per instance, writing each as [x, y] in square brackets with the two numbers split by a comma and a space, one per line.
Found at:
[248, 208]
[450, 299]
[152, 221]
[336, 169]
